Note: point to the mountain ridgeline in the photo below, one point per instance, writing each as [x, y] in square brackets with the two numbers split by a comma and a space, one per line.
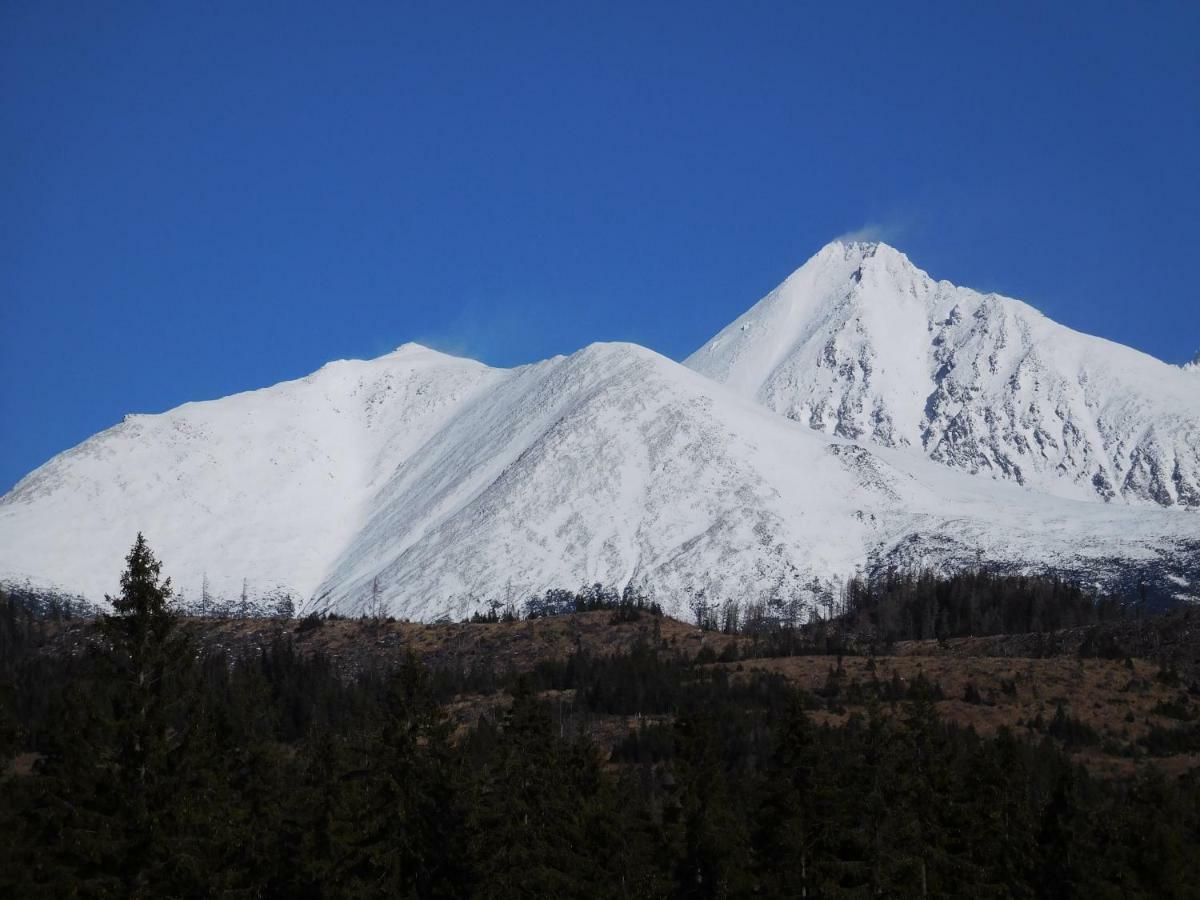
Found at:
[861, 418]
[861, 343]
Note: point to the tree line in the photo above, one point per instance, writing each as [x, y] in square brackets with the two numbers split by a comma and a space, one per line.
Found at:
[902, 606]
[143, 768]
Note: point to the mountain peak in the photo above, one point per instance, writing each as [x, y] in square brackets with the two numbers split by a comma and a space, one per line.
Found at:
[412, 347]
[437, 484]
[851, 245]
[862, 344]
[864, 249]
[845, 259]
[412, 351]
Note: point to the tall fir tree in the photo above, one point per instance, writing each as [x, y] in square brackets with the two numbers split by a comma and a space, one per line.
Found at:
[404, 825]
[715, 858]
[795, 811]
[148, 657]
[526, 839]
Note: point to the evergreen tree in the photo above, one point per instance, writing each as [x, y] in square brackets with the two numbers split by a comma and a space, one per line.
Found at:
[278, 772]
[995, 821]
[147, 656]
[404, 813]
[1059, 838]
[795, 811]
[715, 858]
[526, 839]
[72, 834]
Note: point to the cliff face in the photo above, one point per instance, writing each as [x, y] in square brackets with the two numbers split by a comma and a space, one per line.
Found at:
[862, 344]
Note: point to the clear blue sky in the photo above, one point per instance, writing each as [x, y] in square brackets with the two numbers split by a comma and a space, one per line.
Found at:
[202, 198]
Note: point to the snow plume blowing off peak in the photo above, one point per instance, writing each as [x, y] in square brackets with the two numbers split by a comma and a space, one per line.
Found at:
[860, 343]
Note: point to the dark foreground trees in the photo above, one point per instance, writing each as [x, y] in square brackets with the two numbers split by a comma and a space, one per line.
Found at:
[112, 750]
[163, 773]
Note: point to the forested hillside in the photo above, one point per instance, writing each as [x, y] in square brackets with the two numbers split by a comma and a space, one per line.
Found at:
[626, 755]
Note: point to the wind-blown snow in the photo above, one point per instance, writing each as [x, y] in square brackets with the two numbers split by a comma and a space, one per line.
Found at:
[862, 344]
[448, 483]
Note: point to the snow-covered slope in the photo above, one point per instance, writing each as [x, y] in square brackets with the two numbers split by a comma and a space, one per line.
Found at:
[447, 484]
[268, 485]
[862, 344]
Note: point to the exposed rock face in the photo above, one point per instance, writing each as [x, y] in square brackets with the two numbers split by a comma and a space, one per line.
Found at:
[862, 344]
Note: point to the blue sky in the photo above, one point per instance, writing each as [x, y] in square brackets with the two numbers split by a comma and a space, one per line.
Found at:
[197, 199]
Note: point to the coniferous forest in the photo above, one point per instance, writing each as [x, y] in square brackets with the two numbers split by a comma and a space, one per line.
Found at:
[146, 765]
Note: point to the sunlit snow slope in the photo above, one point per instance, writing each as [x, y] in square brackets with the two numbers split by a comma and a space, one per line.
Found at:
[862, 344]
[268, 485]
[448, 484]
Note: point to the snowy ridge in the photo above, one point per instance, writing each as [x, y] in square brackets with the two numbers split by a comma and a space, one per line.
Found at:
[266, 485]
[446, 484]
[862, 344]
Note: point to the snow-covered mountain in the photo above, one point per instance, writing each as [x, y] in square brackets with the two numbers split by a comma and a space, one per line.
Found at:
[444, 483]
[862, 344]
[266, 485]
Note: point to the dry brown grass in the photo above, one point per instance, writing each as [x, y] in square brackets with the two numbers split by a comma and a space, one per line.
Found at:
[354, 645]
[1117, 699]
[506, 646]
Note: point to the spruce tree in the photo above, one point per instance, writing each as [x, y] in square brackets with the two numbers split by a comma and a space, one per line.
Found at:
[526, 835]
[147, 657]
[71, 836]
[795, 814]
[715, 858]
[404, 819]
[98, 816]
